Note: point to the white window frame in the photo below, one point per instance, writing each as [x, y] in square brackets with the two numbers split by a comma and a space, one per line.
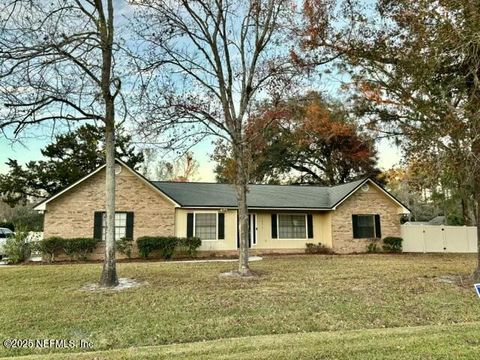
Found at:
[104, 225]
[216, 224]
[374, 227]
[278, 226]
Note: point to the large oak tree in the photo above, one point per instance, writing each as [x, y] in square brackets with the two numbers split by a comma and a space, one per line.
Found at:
[304, 140]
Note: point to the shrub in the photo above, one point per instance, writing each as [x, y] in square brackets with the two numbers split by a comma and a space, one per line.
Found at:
[190, 245]
[373, 246]
[49, 246]
[124, 246]
[146, 244]
[317, 249]
[392, 244]
[455, 220]
[167, 245]
[17, 248]
[79, 248]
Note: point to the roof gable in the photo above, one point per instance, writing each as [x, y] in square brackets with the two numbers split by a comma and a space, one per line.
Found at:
[41, 206]
[359, 185]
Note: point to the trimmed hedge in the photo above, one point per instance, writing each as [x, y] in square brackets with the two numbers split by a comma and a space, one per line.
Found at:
[167, 245]
[49, 247]
[392, 244]
[79, 248]
[75, 248]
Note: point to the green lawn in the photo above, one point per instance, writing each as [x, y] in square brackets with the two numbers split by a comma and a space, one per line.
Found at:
[364, 306]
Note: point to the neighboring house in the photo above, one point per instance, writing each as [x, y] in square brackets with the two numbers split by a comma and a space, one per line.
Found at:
[283, 218]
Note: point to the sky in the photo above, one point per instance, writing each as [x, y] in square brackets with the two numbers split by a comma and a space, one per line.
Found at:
[28, 148]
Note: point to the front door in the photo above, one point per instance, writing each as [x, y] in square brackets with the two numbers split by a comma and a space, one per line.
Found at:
[252, 231]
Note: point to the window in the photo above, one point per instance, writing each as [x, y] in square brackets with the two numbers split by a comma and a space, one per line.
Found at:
[120, 225]
[206, 226]
[292, 226]
[366, 226]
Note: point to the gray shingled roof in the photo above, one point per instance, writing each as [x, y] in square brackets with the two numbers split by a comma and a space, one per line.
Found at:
[259, 196]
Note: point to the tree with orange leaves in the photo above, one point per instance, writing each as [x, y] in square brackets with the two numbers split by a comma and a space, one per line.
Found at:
[415, 67]
[305, 140]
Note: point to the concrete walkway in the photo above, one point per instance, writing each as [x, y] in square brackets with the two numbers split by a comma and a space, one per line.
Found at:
[251, 258]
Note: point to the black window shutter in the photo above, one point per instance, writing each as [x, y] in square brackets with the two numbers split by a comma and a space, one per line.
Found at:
[221, 226]
[378, 230]
[310, 226]
[274, 226]
[129, 229]
[189, 224]
[97, 225]
[254, 232]
[355, 226]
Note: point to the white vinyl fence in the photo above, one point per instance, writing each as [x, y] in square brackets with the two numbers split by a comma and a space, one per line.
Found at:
[439, 238]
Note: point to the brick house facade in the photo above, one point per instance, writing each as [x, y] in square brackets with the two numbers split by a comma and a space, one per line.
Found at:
[283, 218]
[72, 215]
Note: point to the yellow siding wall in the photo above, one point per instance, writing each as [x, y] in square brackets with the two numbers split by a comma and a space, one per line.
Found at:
[321, 231]
[230, 241]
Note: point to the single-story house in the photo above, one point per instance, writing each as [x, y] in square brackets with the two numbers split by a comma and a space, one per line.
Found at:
[283, 218]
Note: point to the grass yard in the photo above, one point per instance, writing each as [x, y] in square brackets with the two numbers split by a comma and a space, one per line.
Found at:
[363, 306]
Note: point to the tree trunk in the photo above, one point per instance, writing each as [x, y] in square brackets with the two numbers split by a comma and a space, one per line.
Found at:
[476, 172]
[465, 215]
[476, 274]
[109, 274]
[243, 225]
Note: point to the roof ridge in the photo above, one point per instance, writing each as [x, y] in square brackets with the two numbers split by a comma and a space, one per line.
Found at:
[285, 185]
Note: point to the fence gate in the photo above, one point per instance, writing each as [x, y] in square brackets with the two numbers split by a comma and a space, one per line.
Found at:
[439, 238]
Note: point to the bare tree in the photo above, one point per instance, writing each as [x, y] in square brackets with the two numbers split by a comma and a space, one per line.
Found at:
[208, 62]
[181, 169]
[57, 66]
